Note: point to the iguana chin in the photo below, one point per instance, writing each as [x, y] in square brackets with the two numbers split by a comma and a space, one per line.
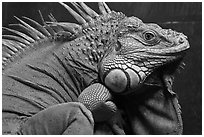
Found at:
[60, 62]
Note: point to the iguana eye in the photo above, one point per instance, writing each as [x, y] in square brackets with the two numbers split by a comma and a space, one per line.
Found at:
[149, 35]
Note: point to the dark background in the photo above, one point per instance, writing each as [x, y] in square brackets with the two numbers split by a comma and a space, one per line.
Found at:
[183, 17]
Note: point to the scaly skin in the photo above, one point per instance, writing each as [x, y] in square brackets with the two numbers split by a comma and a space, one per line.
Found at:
[48, 67]
[140, 50]
[57, 62]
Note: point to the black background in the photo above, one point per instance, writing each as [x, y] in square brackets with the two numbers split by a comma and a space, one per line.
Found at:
[182, 17]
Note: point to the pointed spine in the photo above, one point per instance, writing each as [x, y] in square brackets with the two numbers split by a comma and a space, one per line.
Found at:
[102, 8]
[107, 8]
[85, 16]
[20, 34]
[74, 14]
[39, 34]
[88, 10]
[40, 27]
[16, 38]
[27, 30]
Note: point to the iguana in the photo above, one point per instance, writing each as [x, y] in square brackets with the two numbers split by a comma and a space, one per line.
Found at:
[120, 61]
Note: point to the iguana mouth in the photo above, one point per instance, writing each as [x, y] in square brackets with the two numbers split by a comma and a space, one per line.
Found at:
[179, 54]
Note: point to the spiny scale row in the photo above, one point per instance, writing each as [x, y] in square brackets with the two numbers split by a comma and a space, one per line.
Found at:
[18, 42]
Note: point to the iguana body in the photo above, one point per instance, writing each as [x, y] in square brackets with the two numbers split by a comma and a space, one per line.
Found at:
[54, 63]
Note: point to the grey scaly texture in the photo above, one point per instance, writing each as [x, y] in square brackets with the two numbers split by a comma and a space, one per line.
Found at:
[53, 63]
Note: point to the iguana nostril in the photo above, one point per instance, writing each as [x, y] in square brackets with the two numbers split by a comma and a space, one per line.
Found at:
[181, 40]
[116, 80]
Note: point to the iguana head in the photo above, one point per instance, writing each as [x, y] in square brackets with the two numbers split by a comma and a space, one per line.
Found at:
[139, 50]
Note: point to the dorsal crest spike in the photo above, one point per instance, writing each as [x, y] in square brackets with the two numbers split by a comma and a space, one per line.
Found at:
[38, 34]
[27, 30]
[20, 34]
[41, 16]
[49, 30]
[16, 38]
[102, 8]
[88, 10]
[52, 18]
[71, 27]
[40, 27]
[74, 14]
[107, 8]
[85, 16]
